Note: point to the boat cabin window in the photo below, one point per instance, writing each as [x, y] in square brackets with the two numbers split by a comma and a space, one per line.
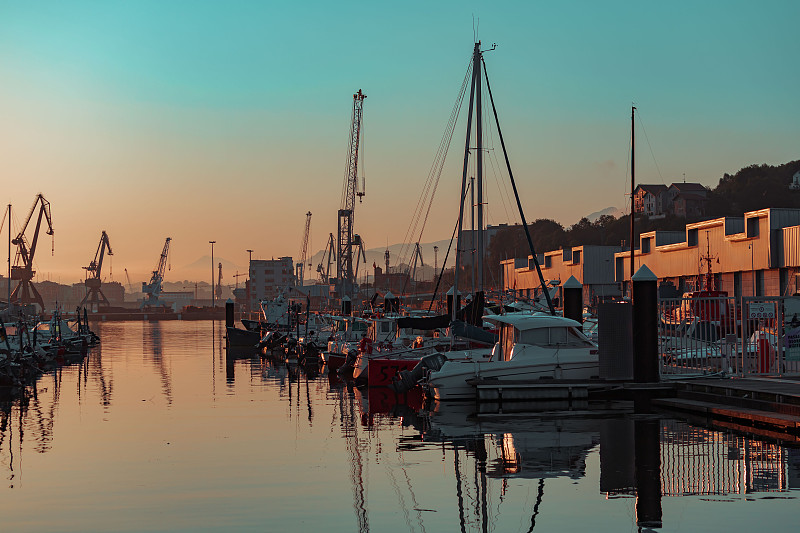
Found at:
[386, 327]
[558, 336]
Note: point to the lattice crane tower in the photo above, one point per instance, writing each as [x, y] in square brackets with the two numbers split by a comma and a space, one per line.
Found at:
[345, 275]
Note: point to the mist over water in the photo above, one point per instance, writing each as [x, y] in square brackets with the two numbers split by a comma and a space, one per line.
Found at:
[157, 430]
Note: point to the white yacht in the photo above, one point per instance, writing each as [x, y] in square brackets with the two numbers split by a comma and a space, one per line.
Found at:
[531, 346]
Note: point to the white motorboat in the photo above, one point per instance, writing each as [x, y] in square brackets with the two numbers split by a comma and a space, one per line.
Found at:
[531, 346]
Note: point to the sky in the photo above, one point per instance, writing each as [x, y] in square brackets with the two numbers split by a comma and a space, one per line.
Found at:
[229, 120]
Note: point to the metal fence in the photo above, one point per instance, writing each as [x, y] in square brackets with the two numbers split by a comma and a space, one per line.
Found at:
[751, 336]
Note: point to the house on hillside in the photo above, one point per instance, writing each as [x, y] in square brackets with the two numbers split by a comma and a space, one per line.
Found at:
[650, 199]
[795, 185]
[689, 205]
[698, 192]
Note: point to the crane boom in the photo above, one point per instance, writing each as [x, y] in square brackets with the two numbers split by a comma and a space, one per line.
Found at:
[301, 265]
[345, 276]
[152, 290]
[25, 292]
[330, 251]
[94, 295]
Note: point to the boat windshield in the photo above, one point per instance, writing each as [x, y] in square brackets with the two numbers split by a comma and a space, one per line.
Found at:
[556, 336]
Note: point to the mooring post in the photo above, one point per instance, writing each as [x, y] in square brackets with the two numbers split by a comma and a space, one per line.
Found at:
[229, 313]
[453, 299]
[645, 326]
[347, 306]
[573, 299]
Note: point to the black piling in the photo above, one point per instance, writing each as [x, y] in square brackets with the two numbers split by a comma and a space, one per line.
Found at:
[573, 299]
[645, 326]
[450, 296]
[229, 320]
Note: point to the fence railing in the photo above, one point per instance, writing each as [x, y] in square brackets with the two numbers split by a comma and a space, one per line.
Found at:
[724, 335]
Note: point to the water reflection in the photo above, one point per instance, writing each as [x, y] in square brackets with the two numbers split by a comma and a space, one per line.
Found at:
[152, 342]
[342, 458]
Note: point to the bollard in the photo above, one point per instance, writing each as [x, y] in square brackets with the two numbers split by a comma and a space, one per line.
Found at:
[229, 313]
[573, 299]
[645, 326]
[347, 306]
[450, 294]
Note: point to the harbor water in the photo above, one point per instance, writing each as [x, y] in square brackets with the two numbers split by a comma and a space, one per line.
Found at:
[159, 429]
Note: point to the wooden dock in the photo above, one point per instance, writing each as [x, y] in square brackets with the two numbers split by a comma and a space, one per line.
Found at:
[766, 406]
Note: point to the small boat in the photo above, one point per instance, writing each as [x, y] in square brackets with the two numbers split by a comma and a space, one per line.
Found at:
[531, 347]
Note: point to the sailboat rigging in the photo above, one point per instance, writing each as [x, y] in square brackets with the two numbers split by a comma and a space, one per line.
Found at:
[479, 73]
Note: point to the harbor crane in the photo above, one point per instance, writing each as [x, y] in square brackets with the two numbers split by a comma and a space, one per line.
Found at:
[152, 290]
[330, 252]
[218, 288]
[358, 242]
[130, 285]
[25, 293]
[412, 270]
[345, 275]
[94, 296]
[301, 265]
[237, 276]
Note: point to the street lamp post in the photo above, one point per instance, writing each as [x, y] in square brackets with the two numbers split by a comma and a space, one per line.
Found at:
[213, 300]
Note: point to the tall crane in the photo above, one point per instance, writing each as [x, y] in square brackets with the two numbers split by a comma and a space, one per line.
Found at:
[345, 275]
[218, 288]
[301, 265]
[94, 296]
[25, 292]
[130, 285]
[330, 252]
[152, 290]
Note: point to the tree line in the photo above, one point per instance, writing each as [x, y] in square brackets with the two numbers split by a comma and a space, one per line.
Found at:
[751, 188]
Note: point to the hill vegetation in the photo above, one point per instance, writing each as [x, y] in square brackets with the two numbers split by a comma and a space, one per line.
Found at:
[751, 188]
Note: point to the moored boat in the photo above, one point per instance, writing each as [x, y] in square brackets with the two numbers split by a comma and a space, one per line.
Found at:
[531, 347]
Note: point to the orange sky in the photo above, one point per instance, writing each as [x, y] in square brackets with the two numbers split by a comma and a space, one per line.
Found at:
[230, 121]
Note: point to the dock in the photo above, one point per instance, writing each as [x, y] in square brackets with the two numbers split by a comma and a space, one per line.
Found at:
[769, 407]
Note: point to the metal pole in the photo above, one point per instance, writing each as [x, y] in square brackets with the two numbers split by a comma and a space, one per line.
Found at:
[9, 259]
[633, 184]
[464, 186]
[213, 299]
[473, 247]
[476, 67]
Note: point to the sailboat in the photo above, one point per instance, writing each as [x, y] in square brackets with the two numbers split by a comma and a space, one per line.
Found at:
[531, 345]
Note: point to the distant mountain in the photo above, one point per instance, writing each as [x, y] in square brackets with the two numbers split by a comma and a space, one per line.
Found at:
[613, 211]
[201, 270]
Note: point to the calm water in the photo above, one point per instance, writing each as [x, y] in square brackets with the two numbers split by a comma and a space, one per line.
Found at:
[158, 431]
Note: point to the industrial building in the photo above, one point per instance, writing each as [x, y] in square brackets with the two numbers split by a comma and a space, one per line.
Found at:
[270, 277]
[757, 254]
[591, 265]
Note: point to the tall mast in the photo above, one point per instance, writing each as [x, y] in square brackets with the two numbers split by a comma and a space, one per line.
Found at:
[633, 184]
[476, 71]
[473, 235]
[9, 259]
